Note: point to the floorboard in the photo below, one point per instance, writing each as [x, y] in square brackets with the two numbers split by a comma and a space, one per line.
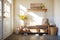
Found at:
[32, 37]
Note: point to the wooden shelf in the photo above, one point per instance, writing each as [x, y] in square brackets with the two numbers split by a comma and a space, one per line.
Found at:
[37, 10]
[37, 29]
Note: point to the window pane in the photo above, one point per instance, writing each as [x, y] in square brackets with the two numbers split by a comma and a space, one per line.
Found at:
[8, 8]
[0, 5]
[5, 7]
[0, 9]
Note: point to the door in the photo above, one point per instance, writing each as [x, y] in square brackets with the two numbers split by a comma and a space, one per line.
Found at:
[7, 23]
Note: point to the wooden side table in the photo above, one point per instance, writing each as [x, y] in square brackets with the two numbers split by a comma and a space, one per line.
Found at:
[53, 30]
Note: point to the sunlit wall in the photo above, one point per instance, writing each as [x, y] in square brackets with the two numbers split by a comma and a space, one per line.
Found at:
[34, 18]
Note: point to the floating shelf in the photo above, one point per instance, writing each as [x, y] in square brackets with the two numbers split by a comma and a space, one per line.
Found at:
[37, 10]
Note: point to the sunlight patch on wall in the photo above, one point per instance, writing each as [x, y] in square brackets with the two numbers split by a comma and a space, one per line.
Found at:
[23, 11]
[34, 15]
[23, 8]
[37, 19]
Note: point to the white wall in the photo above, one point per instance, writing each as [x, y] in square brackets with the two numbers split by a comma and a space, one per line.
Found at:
[26, 3]
[57, 14]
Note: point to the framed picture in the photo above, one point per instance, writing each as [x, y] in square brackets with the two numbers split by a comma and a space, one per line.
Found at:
[37, 5]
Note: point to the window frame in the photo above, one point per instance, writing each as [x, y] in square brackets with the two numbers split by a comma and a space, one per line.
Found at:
[0, 9]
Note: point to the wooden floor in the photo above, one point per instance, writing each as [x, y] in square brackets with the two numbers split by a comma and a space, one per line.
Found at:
[32, 37]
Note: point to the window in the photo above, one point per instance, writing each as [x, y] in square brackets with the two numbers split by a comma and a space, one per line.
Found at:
[0, 9]
[7, 6]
